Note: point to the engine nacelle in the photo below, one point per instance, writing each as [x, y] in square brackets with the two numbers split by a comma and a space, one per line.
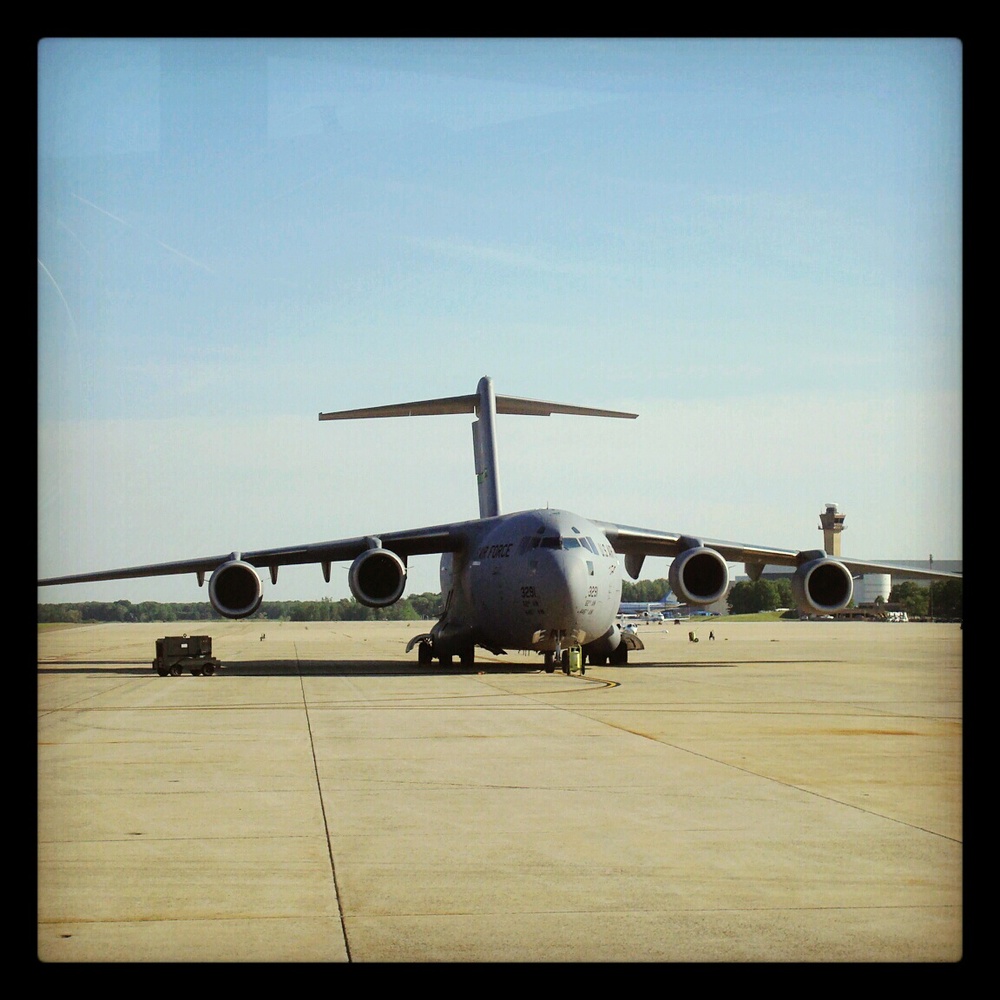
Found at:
[235, 589]
[822, 585]
[699, 575]
[377, 578]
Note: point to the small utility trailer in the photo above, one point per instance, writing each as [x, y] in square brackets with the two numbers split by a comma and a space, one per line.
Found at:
[177, 653]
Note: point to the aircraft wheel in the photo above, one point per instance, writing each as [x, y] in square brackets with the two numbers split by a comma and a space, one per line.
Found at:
[565, 662]
[619, 657]
[550, 664]
[468, 657]
[209, 669]
[175, 670]
[196, 671]
[425, 654]
[583, 668]
[445, 661]
[162, 671]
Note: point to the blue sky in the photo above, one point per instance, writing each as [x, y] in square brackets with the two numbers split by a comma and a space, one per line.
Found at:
[756, 245]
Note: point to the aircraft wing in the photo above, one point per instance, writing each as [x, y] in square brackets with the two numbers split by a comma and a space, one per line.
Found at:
[637, 543]
[416, 541]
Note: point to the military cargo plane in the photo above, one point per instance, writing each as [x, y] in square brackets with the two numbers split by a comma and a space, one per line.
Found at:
[537, 580]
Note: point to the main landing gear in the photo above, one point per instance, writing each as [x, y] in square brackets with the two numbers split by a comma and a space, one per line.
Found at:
[619, 655]
[425, 656]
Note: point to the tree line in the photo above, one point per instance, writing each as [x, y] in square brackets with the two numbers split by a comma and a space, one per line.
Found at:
[744, 598]
[417, 607]
[942, 599]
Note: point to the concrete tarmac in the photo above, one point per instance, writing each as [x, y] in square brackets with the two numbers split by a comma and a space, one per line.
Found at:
[787, 792]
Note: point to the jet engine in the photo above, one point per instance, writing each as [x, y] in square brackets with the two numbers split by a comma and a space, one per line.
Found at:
[377, 578]
[235, 589]
[822, 585]
[699, 575]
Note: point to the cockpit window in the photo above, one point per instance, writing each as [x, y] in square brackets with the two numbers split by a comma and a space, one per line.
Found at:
[555, 542]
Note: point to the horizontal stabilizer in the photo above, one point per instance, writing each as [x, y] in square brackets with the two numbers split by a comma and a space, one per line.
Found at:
[449, 404]
[539, 408]
[469, 404]
[486, 404]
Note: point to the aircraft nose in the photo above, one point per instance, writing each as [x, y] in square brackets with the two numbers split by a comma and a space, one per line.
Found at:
[562, 581]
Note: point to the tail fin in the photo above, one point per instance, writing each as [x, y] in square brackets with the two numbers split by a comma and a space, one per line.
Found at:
[486, 405]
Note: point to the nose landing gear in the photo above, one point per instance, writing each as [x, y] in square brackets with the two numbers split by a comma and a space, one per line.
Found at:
[570, 659]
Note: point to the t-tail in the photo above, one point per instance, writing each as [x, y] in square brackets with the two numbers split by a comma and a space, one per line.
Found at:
[486, 405]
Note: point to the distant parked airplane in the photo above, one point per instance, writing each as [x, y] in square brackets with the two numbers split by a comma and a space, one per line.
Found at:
[649, 609]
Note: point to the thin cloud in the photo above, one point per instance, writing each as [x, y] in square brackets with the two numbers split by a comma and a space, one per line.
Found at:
[148, 236]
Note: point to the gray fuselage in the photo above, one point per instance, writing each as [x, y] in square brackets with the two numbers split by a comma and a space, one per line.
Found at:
[535, 580]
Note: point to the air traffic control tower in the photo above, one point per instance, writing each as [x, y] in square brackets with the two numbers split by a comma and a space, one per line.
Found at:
[831, 524]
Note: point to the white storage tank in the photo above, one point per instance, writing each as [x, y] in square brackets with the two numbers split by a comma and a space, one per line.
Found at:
[871, 586]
